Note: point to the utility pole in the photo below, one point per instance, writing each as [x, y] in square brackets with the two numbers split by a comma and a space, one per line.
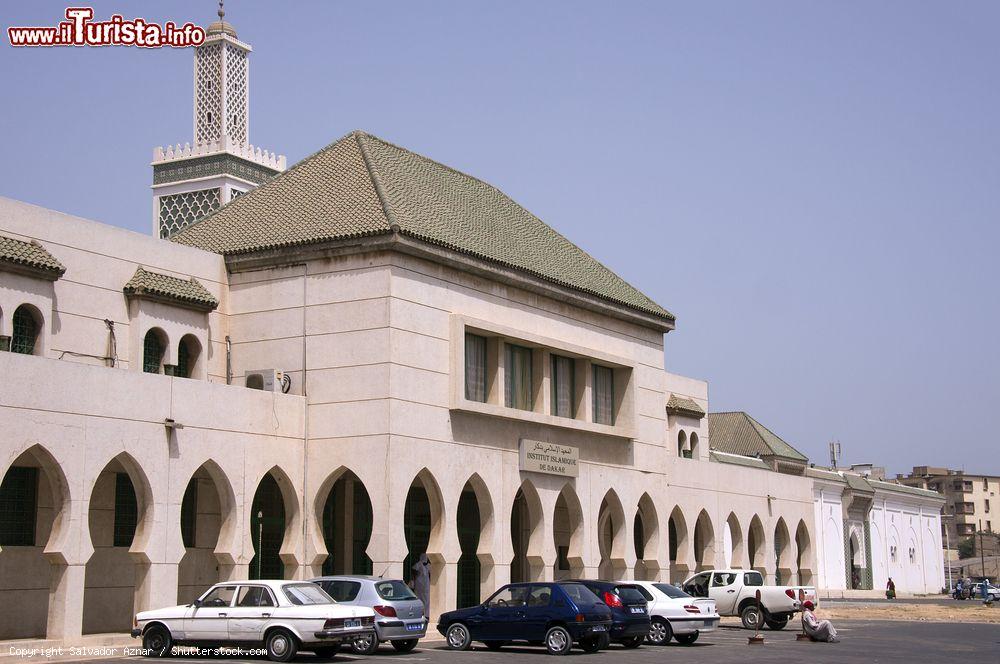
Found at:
[982, 554]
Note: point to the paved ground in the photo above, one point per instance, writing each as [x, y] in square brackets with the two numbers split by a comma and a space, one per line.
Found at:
[863, 642]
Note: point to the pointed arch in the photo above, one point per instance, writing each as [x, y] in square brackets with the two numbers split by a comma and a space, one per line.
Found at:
[567, 533]
[208, 526]
[284, 523]
[804, 554]
[677, 532]
[423, 531]
[611, 536]
[475, 521]
[782, 553]
[646, 530]
[734, 548]
[343, 519]
[757, 545]
[526, 534]
[704, 542]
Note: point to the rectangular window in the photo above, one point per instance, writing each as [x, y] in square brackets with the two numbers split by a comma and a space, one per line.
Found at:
[18, 502]
[986, 507]
[563, 398]
[518, 377]
[475, 368]
[189, 514]
[604, 395]
[126, 510]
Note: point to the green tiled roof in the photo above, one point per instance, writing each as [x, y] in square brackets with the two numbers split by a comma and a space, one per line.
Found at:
[185, 292]
[737, 460]
[29, 256]
[685, 406]
[738, 433]
[361, 186]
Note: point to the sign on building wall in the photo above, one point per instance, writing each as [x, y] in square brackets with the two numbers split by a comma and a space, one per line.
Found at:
[537, 456]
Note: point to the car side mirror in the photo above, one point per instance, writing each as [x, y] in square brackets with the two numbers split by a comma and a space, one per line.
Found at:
[196, 603]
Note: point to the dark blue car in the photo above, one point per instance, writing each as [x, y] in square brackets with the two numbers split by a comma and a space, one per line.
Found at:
[629, 614]
[555, 615]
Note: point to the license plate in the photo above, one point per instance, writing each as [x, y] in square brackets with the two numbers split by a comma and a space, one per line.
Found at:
[348, 624]
[598, 628]
[638, 609]
[415, 627]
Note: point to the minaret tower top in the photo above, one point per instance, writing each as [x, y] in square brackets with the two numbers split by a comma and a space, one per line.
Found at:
[190, 182]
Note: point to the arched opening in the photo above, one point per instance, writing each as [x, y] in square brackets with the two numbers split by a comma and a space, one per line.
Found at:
[755, 545]
[645, 530]
[267, 529]
[854, 550]
[682, 445]
[347, 526]
[677, 535]
[26, 327]
[525, 526]
[475, 525]
[611, 536]
[704, 542]
[803, 554]
[782, 553]
[567, 532]
[33, 495]
[423, 566]
[154, 344]
[206, 513]
[733, 542]
[693, 446]
[188, 357]
[118, 504]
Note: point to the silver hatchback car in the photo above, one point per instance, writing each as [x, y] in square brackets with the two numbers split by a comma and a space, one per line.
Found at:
[399, 614]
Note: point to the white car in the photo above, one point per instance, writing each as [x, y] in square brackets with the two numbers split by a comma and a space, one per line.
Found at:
[280, 616]
[674, 613]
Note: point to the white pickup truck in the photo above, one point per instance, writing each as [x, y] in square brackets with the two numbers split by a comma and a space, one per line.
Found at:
[735, 591]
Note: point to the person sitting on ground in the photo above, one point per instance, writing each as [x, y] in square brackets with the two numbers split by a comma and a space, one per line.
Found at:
[818, 630]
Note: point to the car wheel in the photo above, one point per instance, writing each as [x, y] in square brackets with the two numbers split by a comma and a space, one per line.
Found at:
[327, 652]
[686, 639]
[750, 615]
[632, 641]
[660, 632]
[157, 641]
[558, 641]
[366, 645]
[458, 637]
[281, 646]
[592, 644]
[775, 623]
[405, 645]
[495, 645]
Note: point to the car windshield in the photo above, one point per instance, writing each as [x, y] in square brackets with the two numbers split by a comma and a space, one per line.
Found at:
[306, 593]
[393, 590]
[670, 590]
[579, 593]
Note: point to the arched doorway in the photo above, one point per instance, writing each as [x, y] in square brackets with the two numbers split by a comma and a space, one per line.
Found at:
[782, 553]
[733, 542]
[567, 533]
[854, 549]
[646, 537]
[756, 545]
[803, 554]
[525, 525]
[206, 512]
[475, 527]
[611, 537]
[267, 529]
[118, 506]
[33, 497]
[347, 526]
[704, 542]
[423, 515]
[677, 534]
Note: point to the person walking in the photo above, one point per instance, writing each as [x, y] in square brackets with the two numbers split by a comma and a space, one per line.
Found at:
[890, 589]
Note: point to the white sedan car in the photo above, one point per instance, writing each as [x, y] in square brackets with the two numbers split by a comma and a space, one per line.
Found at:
[279, 616]
[675, 614]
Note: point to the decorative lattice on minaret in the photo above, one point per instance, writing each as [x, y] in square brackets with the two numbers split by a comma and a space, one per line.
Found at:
[192, 181]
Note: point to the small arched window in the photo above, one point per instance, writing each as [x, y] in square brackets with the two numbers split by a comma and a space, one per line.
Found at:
[152, 352]
[210, 116]
[26, 326]
[681, 444]
[187, 356]
[693, 450]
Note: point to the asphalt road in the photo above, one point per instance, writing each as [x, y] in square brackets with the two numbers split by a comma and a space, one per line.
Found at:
[862, 642]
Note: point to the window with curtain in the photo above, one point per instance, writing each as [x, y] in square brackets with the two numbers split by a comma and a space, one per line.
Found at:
[604, 395]
[475, 367]
[562, 386]
[518, 377]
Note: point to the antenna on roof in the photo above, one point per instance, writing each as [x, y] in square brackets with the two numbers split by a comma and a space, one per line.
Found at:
[834, 454]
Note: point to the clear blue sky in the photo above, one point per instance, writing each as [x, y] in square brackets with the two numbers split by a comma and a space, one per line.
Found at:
[812, 188]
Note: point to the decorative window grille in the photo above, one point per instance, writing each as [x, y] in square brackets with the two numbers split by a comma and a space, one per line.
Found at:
[236, 95]
[183, 368]
[178, 211]
[126, 510]
[208, 96]
[25, 332]
[152, 353]
[18, 502]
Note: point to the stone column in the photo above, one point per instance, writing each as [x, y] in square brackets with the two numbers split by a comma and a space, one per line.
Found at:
[155, 585]
[66, 587]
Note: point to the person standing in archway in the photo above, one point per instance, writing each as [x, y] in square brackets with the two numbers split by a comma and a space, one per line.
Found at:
[422, 582]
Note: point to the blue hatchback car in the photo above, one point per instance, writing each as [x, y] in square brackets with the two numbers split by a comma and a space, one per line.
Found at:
[555, 615]
[629, 614]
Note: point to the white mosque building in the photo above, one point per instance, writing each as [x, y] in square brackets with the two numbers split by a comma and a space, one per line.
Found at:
[365, 357]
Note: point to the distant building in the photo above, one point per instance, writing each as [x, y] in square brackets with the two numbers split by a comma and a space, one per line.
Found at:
[969, 499]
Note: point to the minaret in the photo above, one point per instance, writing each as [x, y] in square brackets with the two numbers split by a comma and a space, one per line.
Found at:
[191, 181]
